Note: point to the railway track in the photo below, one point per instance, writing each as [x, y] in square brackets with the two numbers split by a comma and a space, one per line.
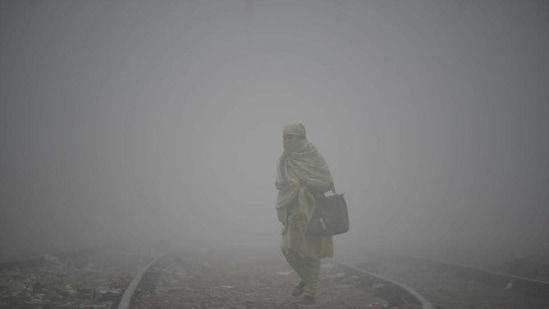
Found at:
[261, 282]
[136, 279]
[455, 286]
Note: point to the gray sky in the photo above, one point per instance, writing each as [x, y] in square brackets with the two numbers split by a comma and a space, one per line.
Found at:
[139, 121]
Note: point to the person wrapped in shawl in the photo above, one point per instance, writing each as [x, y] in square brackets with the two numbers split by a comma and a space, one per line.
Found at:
[302, 175]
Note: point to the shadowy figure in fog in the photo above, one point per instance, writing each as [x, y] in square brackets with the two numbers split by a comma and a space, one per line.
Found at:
[302, 175]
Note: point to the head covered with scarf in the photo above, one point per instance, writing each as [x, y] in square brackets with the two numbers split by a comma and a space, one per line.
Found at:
[300, 160]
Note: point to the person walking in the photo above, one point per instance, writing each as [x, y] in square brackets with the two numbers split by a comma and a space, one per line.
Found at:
[302, 175]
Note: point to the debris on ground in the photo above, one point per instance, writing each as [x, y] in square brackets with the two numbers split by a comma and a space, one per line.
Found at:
[93, 281]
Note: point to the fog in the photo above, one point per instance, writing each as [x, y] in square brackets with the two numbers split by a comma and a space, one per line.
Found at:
[135, 122]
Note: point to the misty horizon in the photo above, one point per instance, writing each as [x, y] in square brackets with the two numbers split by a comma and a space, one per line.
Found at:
[161, 122]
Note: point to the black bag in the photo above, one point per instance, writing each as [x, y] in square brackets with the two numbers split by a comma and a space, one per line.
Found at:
[330, 216]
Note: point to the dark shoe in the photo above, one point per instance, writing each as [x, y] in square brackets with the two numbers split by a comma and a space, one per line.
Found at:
[299, 289]
[308, 300]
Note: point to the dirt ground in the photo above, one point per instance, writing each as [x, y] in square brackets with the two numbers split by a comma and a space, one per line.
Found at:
[93, 280]
[251, 283]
